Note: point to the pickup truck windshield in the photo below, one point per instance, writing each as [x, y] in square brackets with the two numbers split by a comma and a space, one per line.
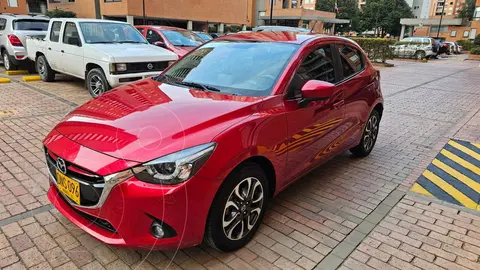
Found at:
[30, 25]
[107, 32]
[182, 38]
[243, 68]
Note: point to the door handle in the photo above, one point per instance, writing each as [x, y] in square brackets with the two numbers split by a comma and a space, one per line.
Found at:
[50, 49]
[339, 104]
[62, 51]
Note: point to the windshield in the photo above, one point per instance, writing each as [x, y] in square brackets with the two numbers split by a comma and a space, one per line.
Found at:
[182, 38]
[204, 36]
[107, 32]
[244, 68]
[30, 25]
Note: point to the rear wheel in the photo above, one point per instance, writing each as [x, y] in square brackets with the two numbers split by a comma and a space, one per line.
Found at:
[419, 55]
[369, 136]
[238, 209]
[6, 61]
[96, 82]
[44, 70]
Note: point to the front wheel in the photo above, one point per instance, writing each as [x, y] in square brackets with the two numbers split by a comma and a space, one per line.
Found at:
[96, 82]
[238, 208]
[369, 136]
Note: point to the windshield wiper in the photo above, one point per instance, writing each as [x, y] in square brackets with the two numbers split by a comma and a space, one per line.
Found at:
[101, 42]
[200, 86]
[130, 41]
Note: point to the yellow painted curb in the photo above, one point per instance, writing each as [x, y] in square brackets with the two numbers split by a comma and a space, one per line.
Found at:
[4, 80]
[31, 78]
[16, 72]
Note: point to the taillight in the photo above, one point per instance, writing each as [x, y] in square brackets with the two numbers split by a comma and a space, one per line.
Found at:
[15, 41]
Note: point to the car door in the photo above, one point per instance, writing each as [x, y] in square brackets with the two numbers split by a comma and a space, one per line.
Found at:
[358, 86]
[54, 47]
[72, 51]
[312, 128]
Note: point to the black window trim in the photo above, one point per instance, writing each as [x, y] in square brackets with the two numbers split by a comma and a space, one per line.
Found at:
[339, 62]
[313, 48]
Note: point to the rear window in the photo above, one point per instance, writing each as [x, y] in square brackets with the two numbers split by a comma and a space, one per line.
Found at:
[30, 25]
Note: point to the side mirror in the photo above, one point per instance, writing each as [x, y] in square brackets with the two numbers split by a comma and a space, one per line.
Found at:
[159, 44]
[74, 41]
[316, 90]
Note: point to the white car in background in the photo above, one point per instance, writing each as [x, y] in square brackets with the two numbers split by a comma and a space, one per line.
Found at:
[415, 47]
[14, 30]
[104, 53]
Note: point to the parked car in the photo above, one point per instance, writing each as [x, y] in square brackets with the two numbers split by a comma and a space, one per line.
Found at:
[14, 30]
[204, 36]
[178, 40]
[416, 47]
[459, 47]
[197, 153]
[443, 48]
[104, 53]
[454, 47]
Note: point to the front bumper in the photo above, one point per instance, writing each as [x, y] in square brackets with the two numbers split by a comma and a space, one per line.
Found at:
[126, 216]
[117, 80]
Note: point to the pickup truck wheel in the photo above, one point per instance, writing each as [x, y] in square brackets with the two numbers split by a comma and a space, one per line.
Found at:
[44, 70]
[6, 61]
[96, 82]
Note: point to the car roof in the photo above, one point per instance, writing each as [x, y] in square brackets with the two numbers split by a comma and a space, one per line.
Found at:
[22, 17]
[281, 36]
[87, 20]
[161, 27]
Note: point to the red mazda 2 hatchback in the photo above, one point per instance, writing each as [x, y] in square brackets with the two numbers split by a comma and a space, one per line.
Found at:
[196, 153]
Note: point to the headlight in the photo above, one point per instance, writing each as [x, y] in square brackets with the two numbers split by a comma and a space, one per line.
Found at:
[121, 67]
[175, 168]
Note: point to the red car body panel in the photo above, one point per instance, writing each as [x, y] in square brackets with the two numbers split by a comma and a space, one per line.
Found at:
[180, 51]
[145, 120]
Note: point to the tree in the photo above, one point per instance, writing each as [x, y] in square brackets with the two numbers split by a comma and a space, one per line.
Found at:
[60, 13]
[383, 16]
[325, 5]
[467, 11]
[347, 9]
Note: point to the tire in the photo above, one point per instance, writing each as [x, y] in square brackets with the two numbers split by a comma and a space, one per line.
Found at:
[419, 55]
[369, 136]
[6, 61]
[236, 232]
[96, 82]
[44, 70]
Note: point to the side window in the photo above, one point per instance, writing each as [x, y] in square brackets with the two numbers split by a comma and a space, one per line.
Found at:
[153, 36]
[351, 60]
[3, 24]
[70, 34]
[318, 65]
[55, 32]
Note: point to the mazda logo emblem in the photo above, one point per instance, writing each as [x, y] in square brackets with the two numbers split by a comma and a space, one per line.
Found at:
[61, 166]
[150, 66]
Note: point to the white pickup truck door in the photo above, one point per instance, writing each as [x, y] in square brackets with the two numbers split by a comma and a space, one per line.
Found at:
[72, 51]
[54, 46]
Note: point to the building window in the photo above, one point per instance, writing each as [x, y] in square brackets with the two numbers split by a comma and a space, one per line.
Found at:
[434, 29]
[106, 1]
[285, 4]
[476, 15]
[294, 3]
[466, 33]
[453, 33]
[12, 3]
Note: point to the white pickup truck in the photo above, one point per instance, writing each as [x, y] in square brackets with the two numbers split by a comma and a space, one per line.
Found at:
[103, 53]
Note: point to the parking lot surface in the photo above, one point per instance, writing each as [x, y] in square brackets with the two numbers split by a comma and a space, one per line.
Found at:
[349, 213]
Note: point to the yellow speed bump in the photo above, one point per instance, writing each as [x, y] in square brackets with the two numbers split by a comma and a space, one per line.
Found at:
[31, 78]
[16, 72]
[4, 80]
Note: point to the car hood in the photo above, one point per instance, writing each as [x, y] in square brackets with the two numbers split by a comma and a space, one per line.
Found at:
[146, 120]
[128, 52]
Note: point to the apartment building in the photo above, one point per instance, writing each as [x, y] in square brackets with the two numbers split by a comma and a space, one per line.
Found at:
[450, 8]
[23, 6]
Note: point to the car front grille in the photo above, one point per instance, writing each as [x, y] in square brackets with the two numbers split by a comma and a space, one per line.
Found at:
[91, 185]
[144, 67]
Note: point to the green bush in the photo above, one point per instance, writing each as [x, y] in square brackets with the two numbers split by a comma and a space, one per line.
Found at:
[476, 42]
[377, 49]
[475, 50]
[60, 13]
[466, 45]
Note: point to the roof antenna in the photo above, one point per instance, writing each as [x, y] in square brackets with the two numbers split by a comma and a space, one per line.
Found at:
[311, 31]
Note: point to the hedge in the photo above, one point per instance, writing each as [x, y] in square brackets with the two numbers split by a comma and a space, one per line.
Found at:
[475, 51]
[466, 45]
[377, 49]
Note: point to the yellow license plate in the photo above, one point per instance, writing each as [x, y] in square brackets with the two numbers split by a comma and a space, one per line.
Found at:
[69, 187]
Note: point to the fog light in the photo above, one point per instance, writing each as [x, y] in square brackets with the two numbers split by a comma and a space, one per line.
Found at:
[157, 230]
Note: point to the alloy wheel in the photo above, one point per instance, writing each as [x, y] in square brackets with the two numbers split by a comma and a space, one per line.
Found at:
[96, 85]
[243, 208]
[41, 67]
[371, 132]
[6, 61]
